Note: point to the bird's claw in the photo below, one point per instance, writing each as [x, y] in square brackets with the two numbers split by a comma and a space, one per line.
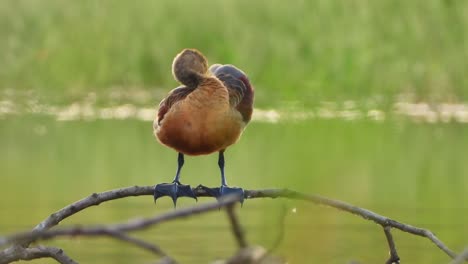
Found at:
[219, 192]
[173, 190]
[225, 190]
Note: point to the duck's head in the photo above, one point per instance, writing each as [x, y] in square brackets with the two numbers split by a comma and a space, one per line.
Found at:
[189, 66]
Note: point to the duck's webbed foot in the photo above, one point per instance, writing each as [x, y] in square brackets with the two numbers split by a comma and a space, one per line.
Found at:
[173, 190]
[224, 190]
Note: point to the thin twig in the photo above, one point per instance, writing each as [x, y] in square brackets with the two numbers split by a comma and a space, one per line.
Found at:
[236, 228]
[114, 229]
[281, 228]
[129, 239]
[96, 199]
[364, 213]
[92, 200]
[280, 236]
[52, 252]
[394, 259]
[18, 252]
[462, 257]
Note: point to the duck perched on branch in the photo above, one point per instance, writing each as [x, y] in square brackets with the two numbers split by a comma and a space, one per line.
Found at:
[206, 114]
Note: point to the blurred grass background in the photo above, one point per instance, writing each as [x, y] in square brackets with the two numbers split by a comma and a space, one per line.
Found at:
[307, 50]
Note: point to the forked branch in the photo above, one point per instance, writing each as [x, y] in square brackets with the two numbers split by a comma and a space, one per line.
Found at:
[118, 231]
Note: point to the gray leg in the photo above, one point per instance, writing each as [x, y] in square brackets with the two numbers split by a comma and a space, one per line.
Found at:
[174, 189]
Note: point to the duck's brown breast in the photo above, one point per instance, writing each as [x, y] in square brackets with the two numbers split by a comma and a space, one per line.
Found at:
[202, 123]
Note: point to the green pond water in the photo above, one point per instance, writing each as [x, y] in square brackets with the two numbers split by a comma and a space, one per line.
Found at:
[414, 173]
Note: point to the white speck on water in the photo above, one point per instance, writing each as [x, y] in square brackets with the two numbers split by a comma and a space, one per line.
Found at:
[325, 113]
[350, 115]
[269, 116]
[349, 104]
[7, 107]
[125, 111]
[376, 115]
[146, 114]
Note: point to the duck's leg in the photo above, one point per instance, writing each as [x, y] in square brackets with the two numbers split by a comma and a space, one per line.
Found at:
[174, 189]
[219, 192]
[225, 189]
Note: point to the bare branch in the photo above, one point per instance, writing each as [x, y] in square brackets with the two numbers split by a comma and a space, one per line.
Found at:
[144, 245]
[266, 256]
[236, 227]
[92, 200]
[364, 213]
[394, 259]
[115, 229]
[129, 239]
[462, 257]
[281, 228]
[96, 199]
[251, 255]
[18, 252]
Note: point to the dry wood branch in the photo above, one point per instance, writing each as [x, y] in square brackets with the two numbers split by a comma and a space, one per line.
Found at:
[281, 228]
[236, 227]
[120, 236]
[139, 243]
[95, 199]
[117, 230]
[394, 259]
[462, 257]
[364, 213]
[18, 252]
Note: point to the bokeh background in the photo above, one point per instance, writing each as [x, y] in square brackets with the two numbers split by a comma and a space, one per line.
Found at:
[362, 101]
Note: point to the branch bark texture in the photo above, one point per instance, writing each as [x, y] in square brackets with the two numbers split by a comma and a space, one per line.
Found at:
[20, 242]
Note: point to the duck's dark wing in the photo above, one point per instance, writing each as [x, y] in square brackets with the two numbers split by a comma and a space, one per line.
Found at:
[174, 96]
[241, 92]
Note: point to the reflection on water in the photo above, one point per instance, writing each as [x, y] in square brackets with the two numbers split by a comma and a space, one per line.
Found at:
[348, 110]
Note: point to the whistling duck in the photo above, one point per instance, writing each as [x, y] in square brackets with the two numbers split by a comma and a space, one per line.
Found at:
[206, 114]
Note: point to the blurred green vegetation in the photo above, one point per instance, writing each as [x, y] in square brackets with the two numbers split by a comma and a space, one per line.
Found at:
[307, 50]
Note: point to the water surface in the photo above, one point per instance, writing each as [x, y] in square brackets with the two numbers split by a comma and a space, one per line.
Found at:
[412, 172]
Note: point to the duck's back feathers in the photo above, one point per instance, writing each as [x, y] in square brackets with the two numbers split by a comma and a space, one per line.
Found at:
[241, 92]
[174, 96]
